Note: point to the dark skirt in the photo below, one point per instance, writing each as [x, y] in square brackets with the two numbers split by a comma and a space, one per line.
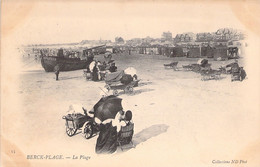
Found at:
[95, 74]
[107, 139]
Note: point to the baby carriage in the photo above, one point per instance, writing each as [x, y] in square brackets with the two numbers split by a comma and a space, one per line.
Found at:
[120, 81]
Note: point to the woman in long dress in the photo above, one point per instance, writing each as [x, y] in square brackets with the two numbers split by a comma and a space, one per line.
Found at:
[95, 73]
[107, 139]
[106, 142]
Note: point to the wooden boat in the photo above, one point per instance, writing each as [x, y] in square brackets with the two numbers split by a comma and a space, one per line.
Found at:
[66, 64]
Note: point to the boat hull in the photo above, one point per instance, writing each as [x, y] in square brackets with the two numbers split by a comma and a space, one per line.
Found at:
[67, 64]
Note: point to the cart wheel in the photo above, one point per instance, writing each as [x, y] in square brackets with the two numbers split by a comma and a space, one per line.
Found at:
[70, 131]
[87, 130]
[107, 86]
[115, 92]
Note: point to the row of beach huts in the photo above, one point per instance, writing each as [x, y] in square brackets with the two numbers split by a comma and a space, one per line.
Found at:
[218, 52]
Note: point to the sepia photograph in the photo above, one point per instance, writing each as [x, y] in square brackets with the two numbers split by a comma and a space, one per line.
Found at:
[130, 83]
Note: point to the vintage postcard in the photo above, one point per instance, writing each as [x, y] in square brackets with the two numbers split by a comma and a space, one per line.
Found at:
[130, 83]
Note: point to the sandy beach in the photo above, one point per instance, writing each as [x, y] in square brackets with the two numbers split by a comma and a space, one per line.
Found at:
[176, 114]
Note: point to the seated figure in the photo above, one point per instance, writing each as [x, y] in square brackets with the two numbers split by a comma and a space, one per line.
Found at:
[126, 129]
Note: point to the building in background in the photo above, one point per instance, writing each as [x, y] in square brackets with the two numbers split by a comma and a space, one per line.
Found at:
[185, 37]
[167, 36]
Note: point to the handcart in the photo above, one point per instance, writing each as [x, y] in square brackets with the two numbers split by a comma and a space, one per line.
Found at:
[187, 67]
[210, 75]
[106, 107]
[81, 122]
[115, 86]
[172, 65]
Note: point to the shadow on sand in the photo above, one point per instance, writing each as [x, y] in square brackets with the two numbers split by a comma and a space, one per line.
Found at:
[67, 78]
[136, 92]
[144, 135]
[34, 71]
[144, 83]
[212, 78]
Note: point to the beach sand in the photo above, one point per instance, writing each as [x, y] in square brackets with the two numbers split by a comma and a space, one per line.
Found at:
[179, 119]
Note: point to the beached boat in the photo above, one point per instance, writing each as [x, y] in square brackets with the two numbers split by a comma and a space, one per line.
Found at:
[66, 64]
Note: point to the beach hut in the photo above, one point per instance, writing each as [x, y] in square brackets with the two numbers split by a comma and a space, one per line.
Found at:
[160, 50]
[165, 51]
[220, 53]
[194, 51]
[236, 48]
[207, 51]
[177, 52]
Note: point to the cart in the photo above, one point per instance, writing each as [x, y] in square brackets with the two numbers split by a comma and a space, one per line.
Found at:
[210, 75]
[192, 67]
[172, 65]
[120, 81]
[128, 88]
[223, 70]
[106, 107]
[88, 75]
[81, 122]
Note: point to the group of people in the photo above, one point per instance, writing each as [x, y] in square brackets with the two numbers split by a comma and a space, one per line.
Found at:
[238, 73]
[110, 130]
[96, 70]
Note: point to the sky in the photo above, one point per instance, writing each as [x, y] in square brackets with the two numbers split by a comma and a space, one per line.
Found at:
[46, 22]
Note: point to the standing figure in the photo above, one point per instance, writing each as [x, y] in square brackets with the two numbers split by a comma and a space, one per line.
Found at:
[95, 73]
[242, 74]
[107, 139]
[57, 71]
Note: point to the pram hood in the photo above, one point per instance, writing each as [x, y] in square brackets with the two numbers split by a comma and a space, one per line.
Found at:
[130, 70]
[114, 77]
[202, 61]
